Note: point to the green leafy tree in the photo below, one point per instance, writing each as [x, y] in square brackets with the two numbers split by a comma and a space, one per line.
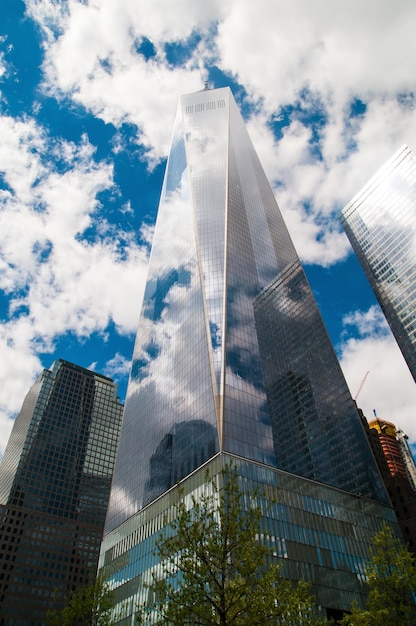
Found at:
[217, 569]
[87, 606]
[391, 578]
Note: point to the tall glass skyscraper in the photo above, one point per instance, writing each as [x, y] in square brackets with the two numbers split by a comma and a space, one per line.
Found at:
[231, 352]
[55, 481]
[232, 361]
[380, 222]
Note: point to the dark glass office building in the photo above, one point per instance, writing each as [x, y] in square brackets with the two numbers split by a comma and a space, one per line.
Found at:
[55, 481]
[232, 359]
[380, 222]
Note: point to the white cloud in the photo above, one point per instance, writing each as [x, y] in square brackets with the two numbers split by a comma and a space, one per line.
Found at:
[371, 323]
[57, 281]
[117, 366]
[277, 48]
[5, 48]
[310, 190]
[284, 54]
[91, 55]
[19, 366]
[301, 54]
[389, 387]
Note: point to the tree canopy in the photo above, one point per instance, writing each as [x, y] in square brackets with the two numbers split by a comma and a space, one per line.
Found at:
[391, 578]
[218, 567]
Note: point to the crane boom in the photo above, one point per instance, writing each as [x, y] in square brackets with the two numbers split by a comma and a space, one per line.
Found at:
[361, 386]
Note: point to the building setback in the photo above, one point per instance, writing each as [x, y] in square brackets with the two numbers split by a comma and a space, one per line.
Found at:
[55, 480]
[232, 362]
[380, 222]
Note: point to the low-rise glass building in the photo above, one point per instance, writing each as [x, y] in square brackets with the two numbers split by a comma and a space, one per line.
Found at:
[321, 534]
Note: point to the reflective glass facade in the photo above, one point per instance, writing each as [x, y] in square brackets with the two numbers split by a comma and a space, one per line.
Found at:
[380, 223]
[55, 481]
[231, 353]
[319, 534]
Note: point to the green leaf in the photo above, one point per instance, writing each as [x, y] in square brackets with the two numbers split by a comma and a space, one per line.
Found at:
[218, 569]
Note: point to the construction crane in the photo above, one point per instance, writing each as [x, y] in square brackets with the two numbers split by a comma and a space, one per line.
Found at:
[361, 386]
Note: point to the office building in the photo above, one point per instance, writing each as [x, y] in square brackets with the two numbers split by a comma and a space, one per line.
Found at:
[398, 471]
[55, 479]
[320, 534]
[380, 222]
[407, 456]
[390, 446]
[232, 361]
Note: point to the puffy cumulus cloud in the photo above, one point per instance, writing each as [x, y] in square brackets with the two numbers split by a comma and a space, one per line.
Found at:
[367, 323]
[330, 89]
[293, 59]
[296, 61]
[297, 180]
[389, 388]
[311, 191]
[19, 365]
[164, 22]
[20, 155]
[277, 48]
[117, 366]
[92, 55]
[58, 279]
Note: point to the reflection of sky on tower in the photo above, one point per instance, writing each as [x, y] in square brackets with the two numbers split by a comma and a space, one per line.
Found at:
[87, 100]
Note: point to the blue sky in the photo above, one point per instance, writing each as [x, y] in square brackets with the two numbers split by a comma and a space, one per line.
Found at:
[88, 95]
